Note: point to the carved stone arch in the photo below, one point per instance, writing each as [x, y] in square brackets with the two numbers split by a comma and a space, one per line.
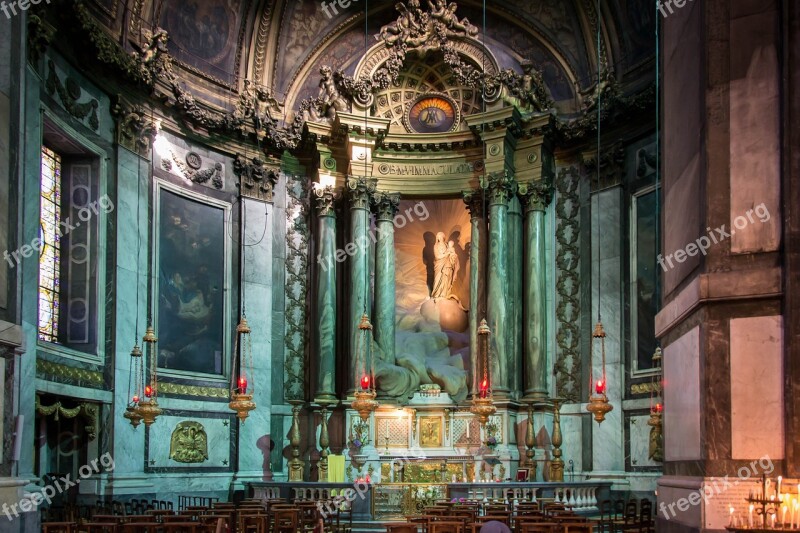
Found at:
[469, 48]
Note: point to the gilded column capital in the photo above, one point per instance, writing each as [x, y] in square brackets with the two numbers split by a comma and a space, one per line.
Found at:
[475, 201]
[326, 198]
[360, 191]
[500, 187]
[536, 195]
[386, 205]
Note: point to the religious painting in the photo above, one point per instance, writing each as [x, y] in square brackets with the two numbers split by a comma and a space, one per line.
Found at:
[430, 432]
[433, 114]
[204, 34]
[432, 240]
[645, 274]
[191, 259]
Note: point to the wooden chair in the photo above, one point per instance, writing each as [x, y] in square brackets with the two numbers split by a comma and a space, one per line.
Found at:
[285, 521]
[401, 528]
[100, 527]
[59, 527]
[541, 527]
[140, 527]
[446, 526]
[586, 527]
[181, 527]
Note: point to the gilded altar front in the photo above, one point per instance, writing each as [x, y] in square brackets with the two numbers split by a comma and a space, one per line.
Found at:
[444, 470]
[396, 501]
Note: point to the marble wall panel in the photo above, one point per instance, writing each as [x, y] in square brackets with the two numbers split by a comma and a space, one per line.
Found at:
[682, 405]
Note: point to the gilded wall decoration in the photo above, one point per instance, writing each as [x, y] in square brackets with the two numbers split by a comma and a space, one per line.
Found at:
[568, 309]
[189, 443]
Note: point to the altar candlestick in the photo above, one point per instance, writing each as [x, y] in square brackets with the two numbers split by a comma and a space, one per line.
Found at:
[468, 424]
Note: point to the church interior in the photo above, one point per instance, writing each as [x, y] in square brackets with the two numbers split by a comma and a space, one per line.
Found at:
[415, 266]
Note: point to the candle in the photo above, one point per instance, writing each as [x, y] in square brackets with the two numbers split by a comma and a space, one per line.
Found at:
[750, 517]
[730, 520]
[468, 424]
[778, 490]
[783, 516]
[773, 520]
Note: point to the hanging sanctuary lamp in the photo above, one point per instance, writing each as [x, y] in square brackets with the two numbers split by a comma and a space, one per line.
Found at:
[365, 394]
[598, 401]
[482, 403]
[148, 407]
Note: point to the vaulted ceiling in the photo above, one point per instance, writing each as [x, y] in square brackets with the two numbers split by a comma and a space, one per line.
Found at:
[281, 44]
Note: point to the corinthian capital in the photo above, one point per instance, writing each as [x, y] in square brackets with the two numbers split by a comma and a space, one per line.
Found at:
[360, 191]
[386, 205]
[536, 195]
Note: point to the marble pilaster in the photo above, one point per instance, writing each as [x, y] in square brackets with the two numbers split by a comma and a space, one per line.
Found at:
[325, 331]
[257, 289]
[386, 205]
[536, 197]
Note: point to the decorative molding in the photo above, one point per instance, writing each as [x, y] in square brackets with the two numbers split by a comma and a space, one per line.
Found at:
[256, 180]
[645, 388]
[57, 372]
[326, 199]
[40, 35]
[568, 358]
[69, 93]
[190, 169]
[136, 129]
[87, 410]
[475, 203]
[297, 248]
[612, 168]
[176, 389]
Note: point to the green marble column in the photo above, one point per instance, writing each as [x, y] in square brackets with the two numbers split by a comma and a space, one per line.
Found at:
[360, 191]
[475, 201]
[536, 196]
[501, 187]
[515, 269]
[325, 331]
[386, 205]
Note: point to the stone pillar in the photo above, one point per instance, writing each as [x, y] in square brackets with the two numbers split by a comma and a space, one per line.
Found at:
[536, 196]
[477, 289]
[360, 191]
[501, 187]
[325, 332]
[386, 205]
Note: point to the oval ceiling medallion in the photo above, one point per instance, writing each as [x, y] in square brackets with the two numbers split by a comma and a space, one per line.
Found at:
[433, 113]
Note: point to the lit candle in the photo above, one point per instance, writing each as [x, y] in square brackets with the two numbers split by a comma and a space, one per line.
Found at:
[600, 387]
[750, 517]
[773, 520]
[730, 520]
[783, 515]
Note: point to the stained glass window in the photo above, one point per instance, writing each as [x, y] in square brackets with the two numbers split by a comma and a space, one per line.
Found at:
[50, 254]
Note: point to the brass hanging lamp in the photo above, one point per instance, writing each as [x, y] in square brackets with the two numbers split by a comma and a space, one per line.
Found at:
[365, 402]
[483, 403]
[148, 407]
[241, 389]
